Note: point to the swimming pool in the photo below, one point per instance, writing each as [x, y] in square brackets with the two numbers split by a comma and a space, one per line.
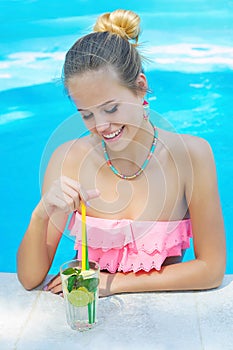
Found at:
[190, 74]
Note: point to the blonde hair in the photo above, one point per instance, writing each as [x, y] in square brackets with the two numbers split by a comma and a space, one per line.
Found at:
[108, 46]
[121, 22]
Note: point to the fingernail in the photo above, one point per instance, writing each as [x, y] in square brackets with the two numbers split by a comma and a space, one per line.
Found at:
[88, 204]
[45, 288]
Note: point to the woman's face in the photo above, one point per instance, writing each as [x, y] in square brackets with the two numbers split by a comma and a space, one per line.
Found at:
[108, 109]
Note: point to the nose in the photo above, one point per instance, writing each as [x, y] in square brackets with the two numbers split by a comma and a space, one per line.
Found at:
[101, 124]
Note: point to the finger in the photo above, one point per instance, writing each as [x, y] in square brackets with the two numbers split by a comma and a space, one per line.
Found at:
[57, 289]
[84, 195]
[73, 188]
[65, 203]
[54, 199]
[93, 193]
[56, 280]
[88, 195]
[71, 196]
[70, 182]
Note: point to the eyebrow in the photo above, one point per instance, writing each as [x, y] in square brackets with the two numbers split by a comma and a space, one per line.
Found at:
[103, 104]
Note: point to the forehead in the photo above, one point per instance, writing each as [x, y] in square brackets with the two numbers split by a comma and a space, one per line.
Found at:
[94, 88]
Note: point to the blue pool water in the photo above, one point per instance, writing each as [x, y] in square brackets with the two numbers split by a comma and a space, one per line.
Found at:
[189, 44]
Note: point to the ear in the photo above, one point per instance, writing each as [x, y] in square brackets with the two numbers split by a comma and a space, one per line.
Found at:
[142, 84]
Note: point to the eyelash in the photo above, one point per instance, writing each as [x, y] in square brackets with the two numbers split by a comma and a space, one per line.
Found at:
[88, 116]
[114, 109]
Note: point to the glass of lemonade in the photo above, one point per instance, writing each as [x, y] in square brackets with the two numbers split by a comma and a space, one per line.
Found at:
[80, 290]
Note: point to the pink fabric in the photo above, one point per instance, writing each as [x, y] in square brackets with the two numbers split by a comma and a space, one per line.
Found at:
[128, 245]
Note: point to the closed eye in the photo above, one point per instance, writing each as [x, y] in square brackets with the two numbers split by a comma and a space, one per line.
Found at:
[87, 116]
[112, 110]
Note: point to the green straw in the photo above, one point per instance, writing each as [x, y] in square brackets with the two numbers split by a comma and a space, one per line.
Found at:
[94, 305]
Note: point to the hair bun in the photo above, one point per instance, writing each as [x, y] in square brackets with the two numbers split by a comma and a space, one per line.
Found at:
[122, 22]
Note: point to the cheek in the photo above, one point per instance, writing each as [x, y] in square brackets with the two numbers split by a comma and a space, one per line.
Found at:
[132, 112]
[89, 124]
[136, 115]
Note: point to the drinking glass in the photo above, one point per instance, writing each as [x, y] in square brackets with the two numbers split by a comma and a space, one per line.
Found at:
[80, 290]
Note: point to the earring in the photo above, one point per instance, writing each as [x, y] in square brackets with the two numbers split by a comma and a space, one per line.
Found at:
[146, 108]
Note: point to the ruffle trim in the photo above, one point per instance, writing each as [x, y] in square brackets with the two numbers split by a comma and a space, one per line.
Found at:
[126, 245]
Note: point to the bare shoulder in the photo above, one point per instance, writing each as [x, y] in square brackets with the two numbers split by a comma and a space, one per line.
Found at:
[196, 144]
[197, 148]
[198, 165]
[73, 151]
[66, 159]
[200, 151]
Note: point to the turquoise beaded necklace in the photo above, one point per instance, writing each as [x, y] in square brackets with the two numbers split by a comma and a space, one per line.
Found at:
[130, 177]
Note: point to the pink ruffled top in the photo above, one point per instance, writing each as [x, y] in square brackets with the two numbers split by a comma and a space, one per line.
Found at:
[128, 245]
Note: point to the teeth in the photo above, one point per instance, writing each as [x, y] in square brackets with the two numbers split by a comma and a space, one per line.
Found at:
[113, 134]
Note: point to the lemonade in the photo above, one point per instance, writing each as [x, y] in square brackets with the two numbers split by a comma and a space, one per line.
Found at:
[80, 290]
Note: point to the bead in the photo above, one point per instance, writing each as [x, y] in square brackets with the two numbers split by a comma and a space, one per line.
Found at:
[144, 165]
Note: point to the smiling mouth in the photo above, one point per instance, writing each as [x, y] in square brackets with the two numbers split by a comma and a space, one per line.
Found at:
[113, 134]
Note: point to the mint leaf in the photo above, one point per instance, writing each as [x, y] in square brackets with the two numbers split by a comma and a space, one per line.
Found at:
[91, 284]
[69, 271]
[72, 280]
[78, 282]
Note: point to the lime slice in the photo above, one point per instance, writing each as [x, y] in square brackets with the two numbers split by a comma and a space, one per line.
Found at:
[83, 289]
[91, 295]
[79, 297]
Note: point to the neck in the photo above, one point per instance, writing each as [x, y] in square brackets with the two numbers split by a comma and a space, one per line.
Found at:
[138, 148]
[132, 158]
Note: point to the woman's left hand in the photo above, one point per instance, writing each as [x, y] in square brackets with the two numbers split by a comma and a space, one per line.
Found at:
[54, 285]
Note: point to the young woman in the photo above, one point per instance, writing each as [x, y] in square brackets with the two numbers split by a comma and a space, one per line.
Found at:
[147, 190]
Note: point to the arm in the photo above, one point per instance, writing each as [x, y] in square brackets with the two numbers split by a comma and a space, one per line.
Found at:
[207, 270]
[38, 247]
[61, 196]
